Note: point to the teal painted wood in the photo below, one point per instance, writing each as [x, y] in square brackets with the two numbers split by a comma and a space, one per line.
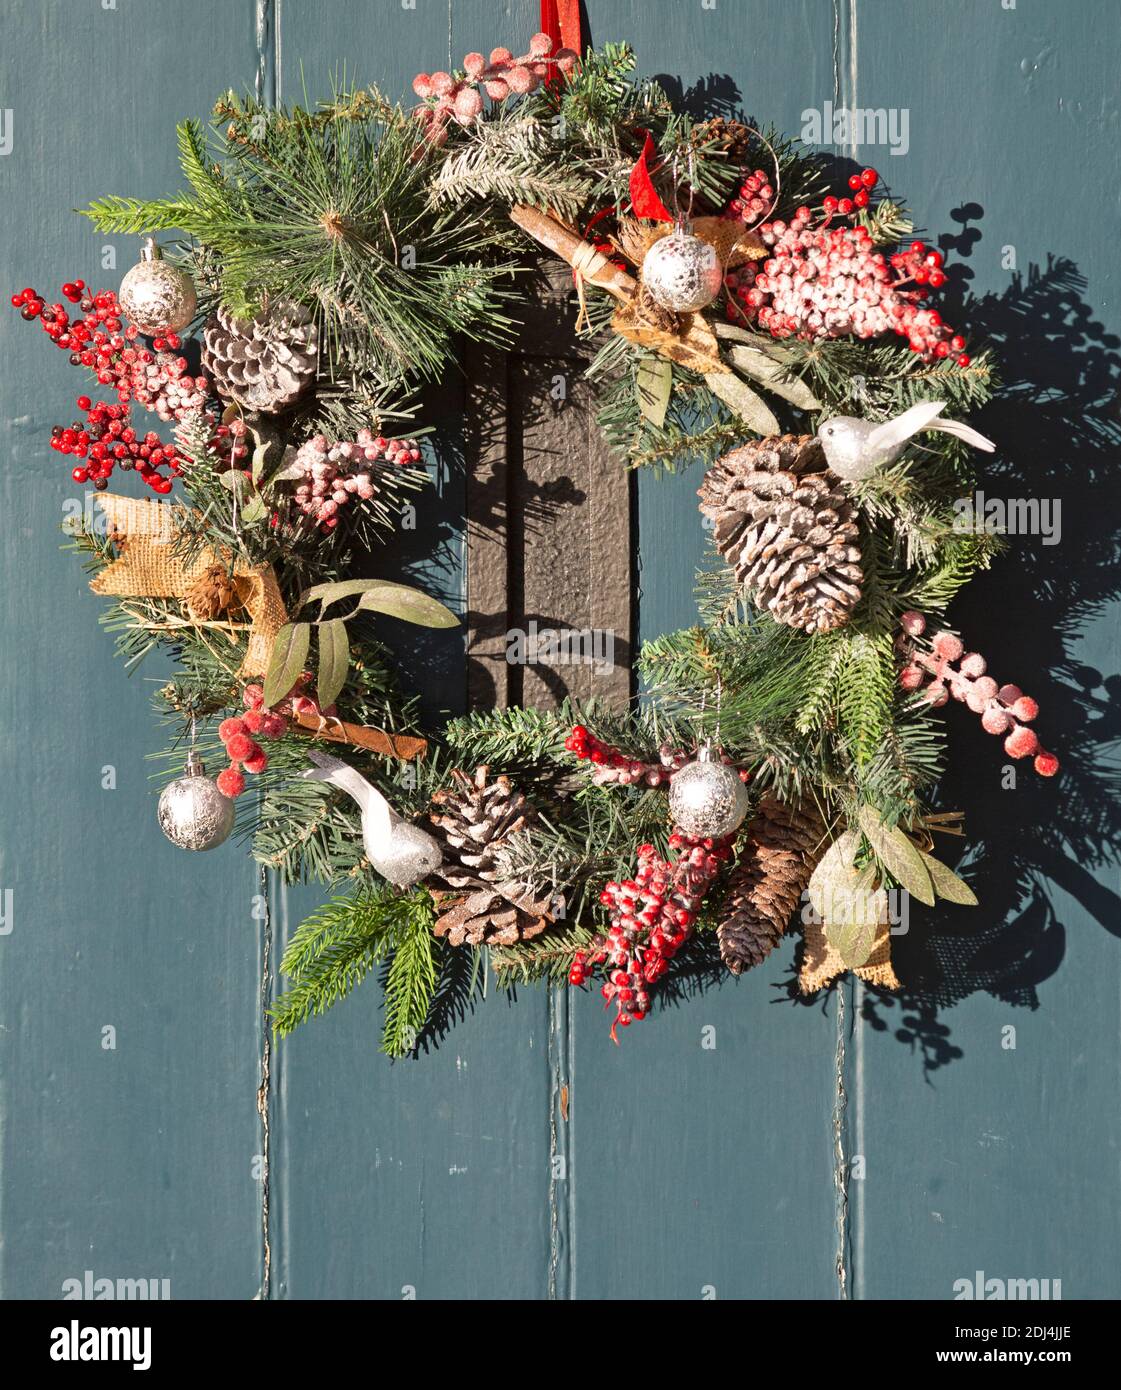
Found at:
[134, 1161]
[1006, 1161]
[681, 1170]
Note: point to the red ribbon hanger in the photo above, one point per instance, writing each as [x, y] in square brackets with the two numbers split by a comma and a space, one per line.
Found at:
[560, 19]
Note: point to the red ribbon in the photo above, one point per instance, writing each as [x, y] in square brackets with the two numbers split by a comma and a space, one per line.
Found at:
[560, 19]
[644, 196]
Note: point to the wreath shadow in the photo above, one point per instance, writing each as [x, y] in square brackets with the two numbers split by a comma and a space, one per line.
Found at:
[1058, 425]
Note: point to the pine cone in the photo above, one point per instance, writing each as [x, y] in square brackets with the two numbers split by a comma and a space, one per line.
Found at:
[783, 845]
[788, 529]
[473, 821]
[264, 363]
[212, 593]
[735, 140]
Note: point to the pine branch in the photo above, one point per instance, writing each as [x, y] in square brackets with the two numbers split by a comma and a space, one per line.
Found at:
[410, 980]
[334, 950]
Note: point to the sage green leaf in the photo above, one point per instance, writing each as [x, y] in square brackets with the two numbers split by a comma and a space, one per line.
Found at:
[653, 384]
[751, 408]
[289, 653]
[253, 511]
[850, 901]
[334, 660]
[899, 856]
[288, 471]
[409, 604]
[333, 591]
[259, 454]
[947, 884]
[854, 939]
[234, 479]
[761, 367]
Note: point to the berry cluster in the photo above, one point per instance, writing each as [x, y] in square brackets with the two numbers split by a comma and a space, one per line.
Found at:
[155, 378]
[824, 281]
[328, 476]
[612, 766]
[652, 916]
[754, 199]
[457, 97]
[1004, 710]
[239, 734]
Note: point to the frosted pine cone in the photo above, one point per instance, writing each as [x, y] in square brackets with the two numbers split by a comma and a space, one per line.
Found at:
[264, 363]
[786, 526]
[473, 820]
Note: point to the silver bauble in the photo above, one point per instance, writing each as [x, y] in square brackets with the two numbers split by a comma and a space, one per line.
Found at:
[682, 272]
[707, 799]
[193, 813]
[156, 296]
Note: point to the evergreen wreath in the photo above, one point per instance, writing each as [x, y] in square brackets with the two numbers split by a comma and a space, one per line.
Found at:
[332, 259]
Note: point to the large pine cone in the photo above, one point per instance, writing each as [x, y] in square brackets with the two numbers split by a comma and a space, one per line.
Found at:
[473, 820]
[783, 844]
[786, 526]
[264, 363]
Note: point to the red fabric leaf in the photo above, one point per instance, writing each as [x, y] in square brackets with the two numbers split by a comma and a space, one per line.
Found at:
[644, 196]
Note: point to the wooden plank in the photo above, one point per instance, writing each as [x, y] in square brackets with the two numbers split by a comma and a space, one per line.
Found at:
[426, 1178]
[130, 1153]
[983, 1103]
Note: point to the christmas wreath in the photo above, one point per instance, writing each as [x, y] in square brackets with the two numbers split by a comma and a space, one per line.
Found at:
[323, 263]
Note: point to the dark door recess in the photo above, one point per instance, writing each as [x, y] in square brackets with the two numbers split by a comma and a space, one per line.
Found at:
[548, 521]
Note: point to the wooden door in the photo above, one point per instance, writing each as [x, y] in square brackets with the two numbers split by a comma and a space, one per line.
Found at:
[852, 1147]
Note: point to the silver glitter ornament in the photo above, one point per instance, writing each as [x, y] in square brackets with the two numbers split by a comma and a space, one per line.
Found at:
[193, 813]
[707, 799]
[401, 852]
[156, 296]
[682, 272]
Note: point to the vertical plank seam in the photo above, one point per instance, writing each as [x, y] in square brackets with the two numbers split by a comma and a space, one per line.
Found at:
[561, 1177]
[266, 83]
[264, 1082]
[847, 1218]
[840, 1164]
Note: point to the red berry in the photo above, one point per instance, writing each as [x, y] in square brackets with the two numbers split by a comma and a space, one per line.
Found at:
[230, 728]
[855, 181]
[256, 762]
[230, 782]
[1021, 743]
[964, 360]
[869, 178]
[1046, 764]
[861, 198]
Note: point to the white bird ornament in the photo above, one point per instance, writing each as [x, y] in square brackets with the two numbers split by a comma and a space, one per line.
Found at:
[401, 852]
[855, 449]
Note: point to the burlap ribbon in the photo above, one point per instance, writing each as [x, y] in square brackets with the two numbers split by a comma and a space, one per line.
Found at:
[149, 567]
[822, 963]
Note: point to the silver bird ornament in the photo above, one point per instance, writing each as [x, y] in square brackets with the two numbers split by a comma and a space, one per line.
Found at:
[855, 449]
[400, 852]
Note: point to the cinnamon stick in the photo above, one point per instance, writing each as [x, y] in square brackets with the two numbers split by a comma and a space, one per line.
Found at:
[401, 746]
[567, 245]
